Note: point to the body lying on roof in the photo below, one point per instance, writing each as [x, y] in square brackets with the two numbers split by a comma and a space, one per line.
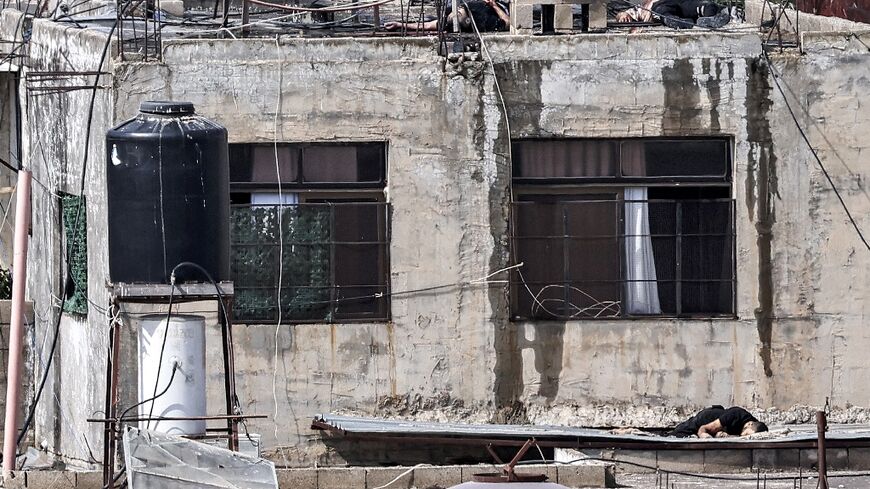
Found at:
[716, 421]
[678, 14]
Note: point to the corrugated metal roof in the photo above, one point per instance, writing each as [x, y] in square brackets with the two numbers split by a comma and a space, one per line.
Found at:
[421, 429]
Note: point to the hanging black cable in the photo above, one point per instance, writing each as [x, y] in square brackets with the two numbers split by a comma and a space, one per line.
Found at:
[155, 396]
[163, 344]
[776, 76]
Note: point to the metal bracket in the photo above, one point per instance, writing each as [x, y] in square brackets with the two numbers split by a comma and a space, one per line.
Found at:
[508, 474]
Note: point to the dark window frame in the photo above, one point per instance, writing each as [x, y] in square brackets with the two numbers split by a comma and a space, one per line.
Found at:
[562, 190]
[620, 178]
[300, 183]
[337, 198]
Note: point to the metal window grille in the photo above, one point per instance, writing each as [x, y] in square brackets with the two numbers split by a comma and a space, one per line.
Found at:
[330, 259]
[76, 248]
[575, 258]
[139, 30]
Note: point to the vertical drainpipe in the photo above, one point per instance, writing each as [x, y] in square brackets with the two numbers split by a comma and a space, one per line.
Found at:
[16, 329]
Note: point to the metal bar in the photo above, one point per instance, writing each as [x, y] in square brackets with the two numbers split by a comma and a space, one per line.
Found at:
[821, 426]
[384, 268]
[246, 7]
[229, 373]
[127, 291]
[565, 258]
[109, 439]
[579, 443]
[678, 273]
[178, 418]
[623, 256]
[332, 291]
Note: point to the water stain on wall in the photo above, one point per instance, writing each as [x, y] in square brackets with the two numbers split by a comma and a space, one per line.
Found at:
[682, 99]
[761, 188]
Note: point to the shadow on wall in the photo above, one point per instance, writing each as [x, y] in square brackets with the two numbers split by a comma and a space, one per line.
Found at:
[546, 340]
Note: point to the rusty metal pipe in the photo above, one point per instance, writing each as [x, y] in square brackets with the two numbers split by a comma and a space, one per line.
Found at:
[821, 426]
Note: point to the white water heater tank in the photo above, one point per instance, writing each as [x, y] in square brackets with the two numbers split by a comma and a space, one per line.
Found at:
[184, 351]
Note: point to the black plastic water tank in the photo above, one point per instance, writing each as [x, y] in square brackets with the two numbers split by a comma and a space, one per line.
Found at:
[168, 195]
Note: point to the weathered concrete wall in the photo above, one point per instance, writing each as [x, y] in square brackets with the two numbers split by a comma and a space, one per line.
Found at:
[26, 381]
[822, 295]
[11, 29]
[362, 91]
[798, 336]
[54, 149]
[9, 153]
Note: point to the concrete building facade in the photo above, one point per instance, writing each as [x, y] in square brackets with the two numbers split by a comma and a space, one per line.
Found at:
[796, 337]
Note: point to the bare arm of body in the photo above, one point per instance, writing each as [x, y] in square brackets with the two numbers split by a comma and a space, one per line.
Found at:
[710, 430]
[431, 25]
[499, 11]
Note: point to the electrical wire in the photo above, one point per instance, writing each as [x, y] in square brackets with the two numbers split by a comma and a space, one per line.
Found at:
[154, 397]
[340, 8]
[776, 77]
[403, 474]
[432, 288]
[8, 165]
[163, 344]
[280, 212]
[29, 419]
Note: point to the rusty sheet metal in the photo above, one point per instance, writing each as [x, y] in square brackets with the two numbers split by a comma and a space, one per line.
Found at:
[854, 10]
[799, 436]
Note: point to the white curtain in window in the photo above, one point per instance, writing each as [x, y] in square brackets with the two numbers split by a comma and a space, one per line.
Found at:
[274, 198]
[641, 289]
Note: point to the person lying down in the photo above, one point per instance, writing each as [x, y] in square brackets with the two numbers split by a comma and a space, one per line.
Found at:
[678, 14]
[712, 422]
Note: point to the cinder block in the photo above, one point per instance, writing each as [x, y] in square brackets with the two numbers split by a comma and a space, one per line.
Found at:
[468, 471]
[639, 461]
[727, 461]
[341, 478]
[779, 458]
[563, 18]
[89, 480]
[584, 475]
[16, 481]
[297, 478]
[551, 471]
[521, 18]
[859, 458]
[837, 458]
[598, 16]
[56, 479]
[437, 477]
[682, 460]
[173, 7]
[381, 476]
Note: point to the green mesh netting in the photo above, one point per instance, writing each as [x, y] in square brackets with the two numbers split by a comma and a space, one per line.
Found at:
[75, 232]
[256, 256]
